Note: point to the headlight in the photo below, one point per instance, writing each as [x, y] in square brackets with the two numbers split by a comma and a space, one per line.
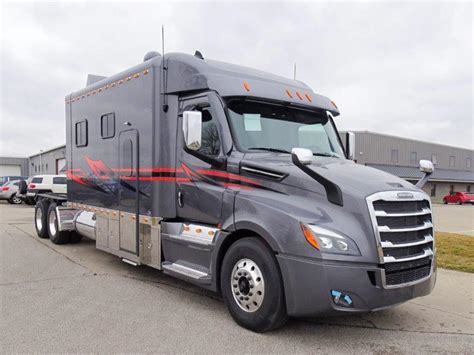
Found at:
[328, 241]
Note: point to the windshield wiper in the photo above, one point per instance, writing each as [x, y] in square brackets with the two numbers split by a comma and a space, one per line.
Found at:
[326, 154]
[271, 150]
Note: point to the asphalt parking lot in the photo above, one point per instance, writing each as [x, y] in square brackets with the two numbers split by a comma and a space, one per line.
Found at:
[74, 298]
[454, 218]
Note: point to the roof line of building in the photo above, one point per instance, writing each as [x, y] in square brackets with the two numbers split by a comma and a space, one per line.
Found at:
[409, 139]
[48, 150]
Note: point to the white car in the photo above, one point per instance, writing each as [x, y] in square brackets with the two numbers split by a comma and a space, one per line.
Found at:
[9, 191]
[47, 183]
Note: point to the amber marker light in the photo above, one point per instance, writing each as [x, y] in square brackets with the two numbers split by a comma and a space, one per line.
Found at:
[334, 104]
[288, 92]
[246, 86]
[310, 237]
[299, 95]
[308, 97]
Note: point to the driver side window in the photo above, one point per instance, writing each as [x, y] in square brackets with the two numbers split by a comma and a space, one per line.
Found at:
[211, 144]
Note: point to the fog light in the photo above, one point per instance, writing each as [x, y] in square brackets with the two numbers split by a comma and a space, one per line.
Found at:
[341, 299]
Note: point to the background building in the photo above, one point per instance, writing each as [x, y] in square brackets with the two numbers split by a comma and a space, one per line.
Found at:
[51, 161]
[13, 166]
[400, 156]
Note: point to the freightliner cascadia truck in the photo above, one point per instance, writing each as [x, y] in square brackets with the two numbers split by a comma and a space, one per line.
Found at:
[237, 180]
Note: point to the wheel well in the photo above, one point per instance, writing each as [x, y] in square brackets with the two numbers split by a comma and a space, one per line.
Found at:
[231, 239]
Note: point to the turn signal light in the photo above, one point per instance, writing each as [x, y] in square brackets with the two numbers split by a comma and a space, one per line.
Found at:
[246, 86]
[32, 186]
[310, 237]
[6, 188]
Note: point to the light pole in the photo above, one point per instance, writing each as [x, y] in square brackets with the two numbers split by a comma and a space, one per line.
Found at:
[41, 163]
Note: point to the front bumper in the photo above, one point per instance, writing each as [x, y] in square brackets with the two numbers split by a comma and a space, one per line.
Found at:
[308, 285]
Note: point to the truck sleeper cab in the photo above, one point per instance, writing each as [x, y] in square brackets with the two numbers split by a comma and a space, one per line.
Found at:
[237, 180]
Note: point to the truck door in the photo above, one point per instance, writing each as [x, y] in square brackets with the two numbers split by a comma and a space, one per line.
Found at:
[128, 191]
[200, 183]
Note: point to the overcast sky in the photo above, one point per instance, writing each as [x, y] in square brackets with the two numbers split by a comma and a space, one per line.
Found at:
[397, 68]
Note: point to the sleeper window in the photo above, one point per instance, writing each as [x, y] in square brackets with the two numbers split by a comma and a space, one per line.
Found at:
[107, 125]
[81, 133]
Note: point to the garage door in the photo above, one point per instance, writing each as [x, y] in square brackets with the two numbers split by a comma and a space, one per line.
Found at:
[60, 165]
[6, 170]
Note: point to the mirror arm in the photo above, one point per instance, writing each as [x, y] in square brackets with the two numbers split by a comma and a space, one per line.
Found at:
[423, 180]
[219, 162]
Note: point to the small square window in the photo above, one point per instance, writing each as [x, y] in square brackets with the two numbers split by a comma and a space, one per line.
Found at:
[452, 161]
[413, 157]
[394, 156]
[468, 163]
[434, 159]
[107, 125]
[81, 133]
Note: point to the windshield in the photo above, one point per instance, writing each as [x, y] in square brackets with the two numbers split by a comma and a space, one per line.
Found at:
[278, 128]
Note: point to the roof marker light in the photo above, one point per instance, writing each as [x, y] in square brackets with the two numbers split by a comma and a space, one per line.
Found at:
[299, 95]
[246, 86]
[288, 92]
[308, 97]
[334, 104]
[136, 75]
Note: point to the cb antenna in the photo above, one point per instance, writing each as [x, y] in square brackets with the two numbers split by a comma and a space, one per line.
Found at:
[163, 70]
[294, 72]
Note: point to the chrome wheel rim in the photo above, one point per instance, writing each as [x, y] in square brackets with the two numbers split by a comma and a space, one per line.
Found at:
[52, 223]
[39, 219]
[247, 285]
[16, 199]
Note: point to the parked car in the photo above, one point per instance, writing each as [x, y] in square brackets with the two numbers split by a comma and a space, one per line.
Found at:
[9, 190]
[4, 179]
[46, 183]
[459, 198]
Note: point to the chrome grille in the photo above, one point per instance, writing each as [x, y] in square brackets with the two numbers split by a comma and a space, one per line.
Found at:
[404, 229]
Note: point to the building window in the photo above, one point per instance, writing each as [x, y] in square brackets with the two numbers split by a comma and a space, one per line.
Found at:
[107, 125]
[81, 133]
[413, 157]
[468, 163]
[434, 159]
[468, 189]
[451, 189]
[433, 191]
[394, 157]
[46, 166]
[452, 161]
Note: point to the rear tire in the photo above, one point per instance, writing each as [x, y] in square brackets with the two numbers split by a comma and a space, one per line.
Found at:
[41, 212]
[56, 236]
[15, 200]
[252, 286]
[459, 202]
[445, 201]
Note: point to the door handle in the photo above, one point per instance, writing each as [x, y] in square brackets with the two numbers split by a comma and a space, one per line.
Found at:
[180, 199]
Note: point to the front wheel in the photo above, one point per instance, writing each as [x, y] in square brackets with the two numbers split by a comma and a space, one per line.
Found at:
[445, 201]
[252, 286]
[459, 202]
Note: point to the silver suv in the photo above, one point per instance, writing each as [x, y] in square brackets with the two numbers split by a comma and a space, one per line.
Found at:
[9, 190]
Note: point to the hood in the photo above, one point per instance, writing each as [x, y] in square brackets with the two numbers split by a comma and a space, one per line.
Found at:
[352, 178]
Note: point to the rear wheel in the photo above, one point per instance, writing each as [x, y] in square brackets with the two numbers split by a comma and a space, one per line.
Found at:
[445, 201]
[15, 200]
[56, 236]
[252, 286]
[459, 202]
[41, 211]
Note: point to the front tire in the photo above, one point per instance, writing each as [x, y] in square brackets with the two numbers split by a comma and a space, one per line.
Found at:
[41, 212]
[459, 202]
[445, 201]
[252, 286]
[56, 236]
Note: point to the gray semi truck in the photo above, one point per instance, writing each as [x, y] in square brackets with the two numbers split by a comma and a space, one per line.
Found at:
[237, 180]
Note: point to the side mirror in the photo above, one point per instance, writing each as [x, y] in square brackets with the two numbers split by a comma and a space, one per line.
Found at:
[350, 145]
[305, 156]
[192, 128]
[426, 166]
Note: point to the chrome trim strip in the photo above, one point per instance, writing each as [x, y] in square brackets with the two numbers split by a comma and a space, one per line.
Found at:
[426, 239]
[425, 225]
[425, 211]
[261, 172]
[390, 259]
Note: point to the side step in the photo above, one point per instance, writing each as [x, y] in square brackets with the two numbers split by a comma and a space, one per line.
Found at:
[181, 271]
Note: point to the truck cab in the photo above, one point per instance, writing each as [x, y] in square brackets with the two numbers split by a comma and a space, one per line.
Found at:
[237, 180]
